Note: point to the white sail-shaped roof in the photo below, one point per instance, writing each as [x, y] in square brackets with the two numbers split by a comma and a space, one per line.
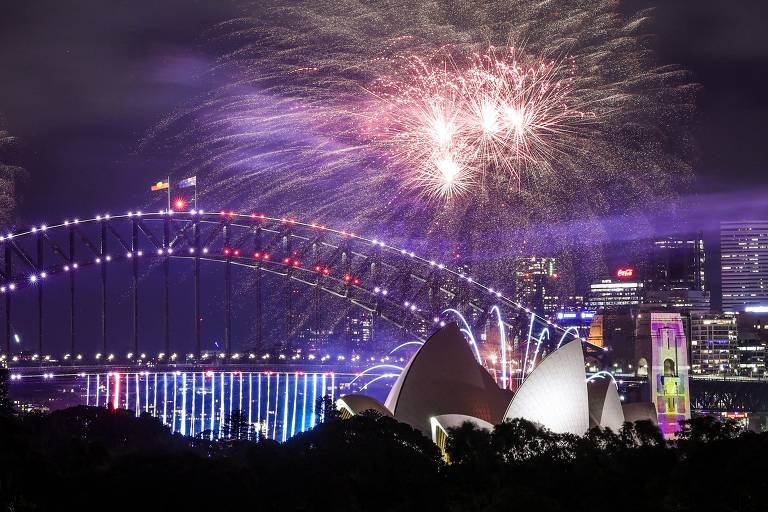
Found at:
[441, 424]
[443, 378]
[604, 404]
[555, 393]
[355, 404]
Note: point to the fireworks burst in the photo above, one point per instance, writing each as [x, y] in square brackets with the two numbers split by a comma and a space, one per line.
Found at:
[450, 123]
[416, 121]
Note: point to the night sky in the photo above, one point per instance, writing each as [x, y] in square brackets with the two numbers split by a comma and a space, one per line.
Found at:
[82, 83]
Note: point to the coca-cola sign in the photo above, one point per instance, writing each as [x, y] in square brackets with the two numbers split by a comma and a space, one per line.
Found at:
[625, 272]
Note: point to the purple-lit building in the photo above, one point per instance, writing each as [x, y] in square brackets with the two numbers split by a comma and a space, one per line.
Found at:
[666, 360]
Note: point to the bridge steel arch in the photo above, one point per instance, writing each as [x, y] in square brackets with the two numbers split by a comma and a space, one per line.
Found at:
[391, 282]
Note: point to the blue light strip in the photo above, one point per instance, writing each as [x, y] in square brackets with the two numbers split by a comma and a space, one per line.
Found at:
[277, 401]
[313, 418]
[295, 399]
[304, 406]
[183, 426]
[202, 405]
[323, 391]
[192, 416]
[285, 407]
[240, 397]
[213, 403]
[221, 403]
[165, 398]
[138, 395]
[173, 422]
[258, 401]
[250, 398]
[231, 391]
[266, 415]
[154, 397]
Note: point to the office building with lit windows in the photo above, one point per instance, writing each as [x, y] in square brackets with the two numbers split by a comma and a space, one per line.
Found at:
[677, 263]
[676, 275]
[714, 344]
[534, 278]
[744, 265]
[611, 293]
[359, 329]
[752, 351]
[556, 303]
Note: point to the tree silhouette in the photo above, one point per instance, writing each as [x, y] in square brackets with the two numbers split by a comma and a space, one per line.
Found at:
[373, 462]
[327, 410]
[706, 429]
[236, 426]
[6, 406]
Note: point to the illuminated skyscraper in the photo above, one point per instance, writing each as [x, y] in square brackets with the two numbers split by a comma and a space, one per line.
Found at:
[534, 275]
[676, 279]
[677, 263]
[359, 329]
[744, 265]
[714, 346]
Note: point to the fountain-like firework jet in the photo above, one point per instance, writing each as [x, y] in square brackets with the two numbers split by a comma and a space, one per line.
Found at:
[493, 113]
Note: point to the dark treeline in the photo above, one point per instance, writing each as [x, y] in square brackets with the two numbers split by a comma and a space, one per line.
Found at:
[97, 459]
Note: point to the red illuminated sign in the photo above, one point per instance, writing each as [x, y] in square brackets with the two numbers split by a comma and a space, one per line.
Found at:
[625, 272]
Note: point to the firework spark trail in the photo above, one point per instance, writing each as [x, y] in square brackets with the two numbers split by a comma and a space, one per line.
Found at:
[290, 129]
[9, 174]
[451, 122]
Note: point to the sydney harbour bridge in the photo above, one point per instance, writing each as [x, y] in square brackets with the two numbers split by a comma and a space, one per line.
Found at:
[295, 262]
[248, 266]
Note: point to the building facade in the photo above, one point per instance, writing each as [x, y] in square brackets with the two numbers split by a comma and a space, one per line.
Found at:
[611, 293]
[677, 263]
[714, 344]
[359, 329]
[556, 303]
[534, 277]
[744, 265]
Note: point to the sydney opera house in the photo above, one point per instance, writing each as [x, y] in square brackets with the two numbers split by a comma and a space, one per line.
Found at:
[444, 386]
